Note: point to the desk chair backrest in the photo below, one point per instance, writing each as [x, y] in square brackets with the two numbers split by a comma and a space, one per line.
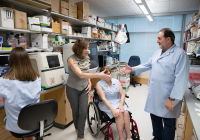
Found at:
[134, 61]
[31, 115]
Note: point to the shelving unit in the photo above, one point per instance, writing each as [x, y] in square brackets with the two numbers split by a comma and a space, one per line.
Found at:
[194, 39]
[193, 23]
[35, 10]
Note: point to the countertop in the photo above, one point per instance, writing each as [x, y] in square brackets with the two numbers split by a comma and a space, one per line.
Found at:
[190, 100]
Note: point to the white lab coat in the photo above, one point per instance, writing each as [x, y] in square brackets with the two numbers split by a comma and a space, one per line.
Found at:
[168, 78]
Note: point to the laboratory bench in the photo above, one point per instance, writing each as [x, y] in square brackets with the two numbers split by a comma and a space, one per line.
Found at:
[188, 124]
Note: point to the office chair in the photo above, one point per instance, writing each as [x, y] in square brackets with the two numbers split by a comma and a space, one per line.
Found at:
[134, 61]
[38, 117]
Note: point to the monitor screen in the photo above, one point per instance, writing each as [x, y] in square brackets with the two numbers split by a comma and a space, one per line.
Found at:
[53, 61]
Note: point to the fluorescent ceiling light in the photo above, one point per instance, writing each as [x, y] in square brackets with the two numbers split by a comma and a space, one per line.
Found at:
[144, 10]
[149, 17]
[138, 1]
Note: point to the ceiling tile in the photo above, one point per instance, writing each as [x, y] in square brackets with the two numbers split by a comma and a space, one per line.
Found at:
[104, 12]
[124, 10]
[114, 3]
[98, 3]
[195, 5]
[180, 5]
[159, 10]
[158, 4]
[136, 9]
[130, 2]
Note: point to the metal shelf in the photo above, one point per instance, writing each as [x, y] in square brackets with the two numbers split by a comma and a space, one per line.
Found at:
[194, 39]
[196, 22]
[28, 50]
[29, 9]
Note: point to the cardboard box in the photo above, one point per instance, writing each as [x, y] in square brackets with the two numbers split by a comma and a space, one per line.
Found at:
[56, 26]
[92, 19]
[55, 6]
[109, 37]
[64, 26]
[72, 9]
[34, 27]
[44, 4]
[83, 10]
[43, 29]
[6, 17]
[194, 29]
[42, 19]
[2, 116]
[20, 20]
[192, 19]
[198, 33]
[5, 134]
[86, 31]
[126, 83]
[39, 41]
[114, 73]
[64, 4]
[94, 32]
[64, 11]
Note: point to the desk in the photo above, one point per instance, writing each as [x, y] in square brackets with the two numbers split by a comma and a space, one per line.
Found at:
[64, 116]
[190, 100]
[188, 124]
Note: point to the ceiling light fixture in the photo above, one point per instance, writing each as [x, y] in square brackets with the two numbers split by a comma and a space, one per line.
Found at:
[149, 17]
[144, 10]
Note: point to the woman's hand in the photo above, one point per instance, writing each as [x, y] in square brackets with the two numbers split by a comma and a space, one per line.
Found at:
[104, 76]
[115, 112]
[88, 88]
[121, 108]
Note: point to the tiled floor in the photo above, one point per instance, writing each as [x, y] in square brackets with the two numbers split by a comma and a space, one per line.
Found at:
[136, 103]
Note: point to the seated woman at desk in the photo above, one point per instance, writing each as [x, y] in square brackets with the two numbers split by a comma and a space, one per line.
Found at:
[79, 85]
[113, 97]
[20, 86]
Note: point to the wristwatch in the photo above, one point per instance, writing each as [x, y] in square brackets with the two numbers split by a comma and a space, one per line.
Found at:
[171, 99]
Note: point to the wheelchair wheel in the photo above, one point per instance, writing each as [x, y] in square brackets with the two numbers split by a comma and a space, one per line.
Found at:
[93, 119]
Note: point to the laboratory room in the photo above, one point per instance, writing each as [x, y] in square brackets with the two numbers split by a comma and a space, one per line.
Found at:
[99, 69]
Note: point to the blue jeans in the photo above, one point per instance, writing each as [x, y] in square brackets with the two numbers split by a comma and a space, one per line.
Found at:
[163, 133]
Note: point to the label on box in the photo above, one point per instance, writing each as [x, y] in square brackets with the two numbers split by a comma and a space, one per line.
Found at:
[65, 28]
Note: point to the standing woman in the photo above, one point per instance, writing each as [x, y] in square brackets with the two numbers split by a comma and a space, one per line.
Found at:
[79, 85]
[20, 86]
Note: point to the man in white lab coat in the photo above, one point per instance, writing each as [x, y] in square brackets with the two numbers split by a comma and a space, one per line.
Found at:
[167, 83]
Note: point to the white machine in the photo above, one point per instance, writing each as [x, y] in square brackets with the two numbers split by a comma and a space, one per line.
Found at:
[50, 67]
[67, 52]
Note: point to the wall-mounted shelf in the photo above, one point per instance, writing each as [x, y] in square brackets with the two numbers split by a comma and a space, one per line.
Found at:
[196, 22]
[194, 39]
[31, 10]
[28, 50]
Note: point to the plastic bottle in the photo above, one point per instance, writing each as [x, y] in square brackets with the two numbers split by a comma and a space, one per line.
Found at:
[12, 40]
[17, 39]
[22, 41]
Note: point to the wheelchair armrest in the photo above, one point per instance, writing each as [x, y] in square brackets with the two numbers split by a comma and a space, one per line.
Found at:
[126, 96]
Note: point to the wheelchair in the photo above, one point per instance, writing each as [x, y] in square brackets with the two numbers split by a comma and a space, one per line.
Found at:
[96, 118]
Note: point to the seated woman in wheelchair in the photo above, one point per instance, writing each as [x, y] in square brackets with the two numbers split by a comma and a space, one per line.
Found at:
[113, 97]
